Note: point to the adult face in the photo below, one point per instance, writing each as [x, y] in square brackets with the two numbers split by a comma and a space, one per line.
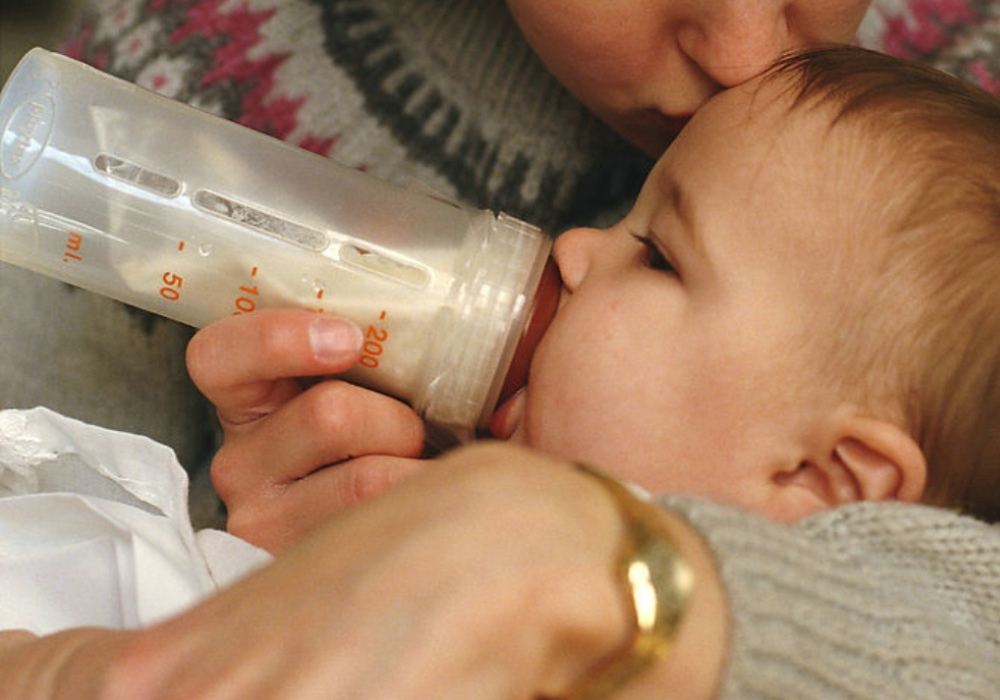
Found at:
[645, 66]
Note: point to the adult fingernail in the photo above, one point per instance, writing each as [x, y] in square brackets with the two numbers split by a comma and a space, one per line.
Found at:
[334, 339]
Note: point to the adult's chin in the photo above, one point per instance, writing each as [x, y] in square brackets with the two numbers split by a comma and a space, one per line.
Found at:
[651, 131]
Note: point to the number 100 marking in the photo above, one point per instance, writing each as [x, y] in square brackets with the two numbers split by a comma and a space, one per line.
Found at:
[247, 304]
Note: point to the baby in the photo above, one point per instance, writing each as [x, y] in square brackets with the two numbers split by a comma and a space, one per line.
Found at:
[799, 312]
[804, 295]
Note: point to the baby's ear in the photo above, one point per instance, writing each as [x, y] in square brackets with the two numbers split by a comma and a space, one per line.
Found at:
[884, 460]
[862, 459]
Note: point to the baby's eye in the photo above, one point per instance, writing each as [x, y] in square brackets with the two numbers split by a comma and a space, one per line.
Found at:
[654, 257]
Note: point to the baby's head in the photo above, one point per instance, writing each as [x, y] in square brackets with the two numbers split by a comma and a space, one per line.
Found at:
[933, 330]
[800, 310]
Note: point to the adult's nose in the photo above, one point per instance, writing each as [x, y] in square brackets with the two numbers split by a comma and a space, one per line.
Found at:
[732, 41]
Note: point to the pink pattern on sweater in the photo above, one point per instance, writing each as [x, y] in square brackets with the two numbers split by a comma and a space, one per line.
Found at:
[927, 27]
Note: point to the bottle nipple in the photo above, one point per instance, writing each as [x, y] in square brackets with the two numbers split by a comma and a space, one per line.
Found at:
[540, 315]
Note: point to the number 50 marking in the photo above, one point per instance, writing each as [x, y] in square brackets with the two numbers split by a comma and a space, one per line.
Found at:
[171, 289]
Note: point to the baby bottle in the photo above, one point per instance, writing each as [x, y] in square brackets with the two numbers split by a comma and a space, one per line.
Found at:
[126, 193]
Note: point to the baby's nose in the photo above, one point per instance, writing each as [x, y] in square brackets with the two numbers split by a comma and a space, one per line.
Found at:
[572, 256]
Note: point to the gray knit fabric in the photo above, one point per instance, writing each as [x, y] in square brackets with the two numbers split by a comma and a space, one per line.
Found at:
[886, 601]
[444, 92]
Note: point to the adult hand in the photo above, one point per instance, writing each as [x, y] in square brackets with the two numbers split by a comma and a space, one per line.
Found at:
[70, 665]
[489, 575]
[295, 453]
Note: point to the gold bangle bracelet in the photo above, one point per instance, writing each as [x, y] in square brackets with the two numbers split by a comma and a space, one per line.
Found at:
[656, 582]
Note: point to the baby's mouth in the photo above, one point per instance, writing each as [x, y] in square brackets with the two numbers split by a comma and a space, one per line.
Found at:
[544, 305]
[507, 416]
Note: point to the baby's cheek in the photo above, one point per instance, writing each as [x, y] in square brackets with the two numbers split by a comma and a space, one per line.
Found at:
[559, 424]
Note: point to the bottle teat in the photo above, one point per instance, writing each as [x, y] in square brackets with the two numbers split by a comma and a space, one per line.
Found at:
[540, 315]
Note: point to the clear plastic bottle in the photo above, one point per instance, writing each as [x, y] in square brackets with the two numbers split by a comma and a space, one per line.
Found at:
[126, 193]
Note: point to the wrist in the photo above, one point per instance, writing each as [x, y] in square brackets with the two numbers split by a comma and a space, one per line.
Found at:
[68, 664]
[669, 585]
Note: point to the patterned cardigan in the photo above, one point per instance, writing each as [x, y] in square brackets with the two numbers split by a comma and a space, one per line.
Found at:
[445, 92]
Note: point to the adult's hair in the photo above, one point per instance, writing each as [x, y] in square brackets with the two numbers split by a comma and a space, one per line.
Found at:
[937, 293]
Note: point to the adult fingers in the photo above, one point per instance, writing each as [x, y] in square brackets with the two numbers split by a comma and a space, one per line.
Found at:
[331, 422]
[274, 521]
[246, 365]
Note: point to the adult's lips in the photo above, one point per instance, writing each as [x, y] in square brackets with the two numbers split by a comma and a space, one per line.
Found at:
[674, 124]
[652, 130]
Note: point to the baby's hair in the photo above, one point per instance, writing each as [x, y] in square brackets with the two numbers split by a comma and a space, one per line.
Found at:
[939, 271]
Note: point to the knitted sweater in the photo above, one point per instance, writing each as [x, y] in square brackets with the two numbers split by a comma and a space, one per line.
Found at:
[887, 601]
[446, 93]
[861, 602]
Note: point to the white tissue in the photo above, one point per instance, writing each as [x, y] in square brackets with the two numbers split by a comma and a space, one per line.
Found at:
[94, 529]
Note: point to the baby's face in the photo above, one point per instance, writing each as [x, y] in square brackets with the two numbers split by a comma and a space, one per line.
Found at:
[681, 356]
[645, 66]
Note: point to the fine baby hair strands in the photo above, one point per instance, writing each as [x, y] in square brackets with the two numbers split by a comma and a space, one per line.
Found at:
[932, 319]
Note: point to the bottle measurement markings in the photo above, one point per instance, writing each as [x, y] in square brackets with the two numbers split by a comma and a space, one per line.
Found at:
[73, 250]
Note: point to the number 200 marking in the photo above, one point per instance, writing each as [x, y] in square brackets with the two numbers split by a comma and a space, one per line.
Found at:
[374, 337]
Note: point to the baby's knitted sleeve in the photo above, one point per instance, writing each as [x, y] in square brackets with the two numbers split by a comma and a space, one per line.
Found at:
[866, 601]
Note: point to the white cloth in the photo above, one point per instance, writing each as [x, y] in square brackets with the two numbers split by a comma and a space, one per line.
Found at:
[94, 529]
